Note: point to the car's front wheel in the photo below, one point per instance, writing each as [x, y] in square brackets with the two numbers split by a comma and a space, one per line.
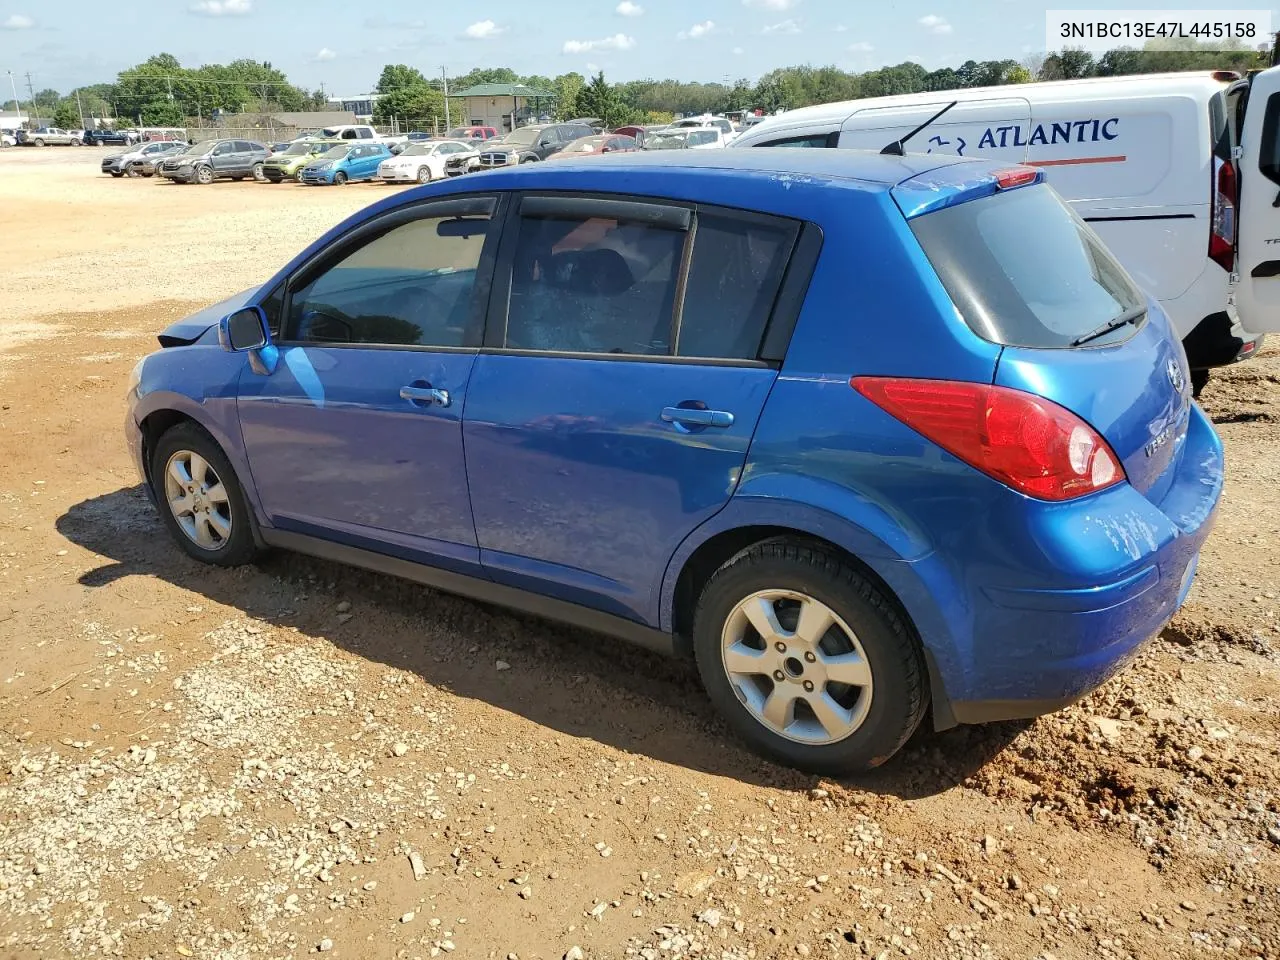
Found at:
[424, 174]
[340, 178]
[133, 170]
[200, 497]
[204, 174]
[257, 172]
[39, 143]
[808, 660]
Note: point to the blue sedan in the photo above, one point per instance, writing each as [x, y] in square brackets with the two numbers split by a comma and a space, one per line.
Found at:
[345, 163]
[868, 437]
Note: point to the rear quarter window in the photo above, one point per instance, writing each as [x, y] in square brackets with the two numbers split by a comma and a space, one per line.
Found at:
[1023, 270]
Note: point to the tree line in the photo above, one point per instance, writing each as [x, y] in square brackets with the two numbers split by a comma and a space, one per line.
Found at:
[161, 92]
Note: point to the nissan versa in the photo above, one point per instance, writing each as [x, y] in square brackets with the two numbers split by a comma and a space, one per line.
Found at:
[865, 435]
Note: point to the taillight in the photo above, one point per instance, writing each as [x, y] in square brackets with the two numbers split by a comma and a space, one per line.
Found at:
[1026, 442]
[1015, 177]
[1222, 216]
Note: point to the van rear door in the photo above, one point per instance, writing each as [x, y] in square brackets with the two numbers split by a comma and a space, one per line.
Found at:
[995, 129]
[1257, 291]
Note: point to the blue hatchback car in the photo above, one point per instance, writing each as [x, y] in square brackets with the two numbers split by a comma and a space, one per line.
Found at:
[866, 436]
[345, 163]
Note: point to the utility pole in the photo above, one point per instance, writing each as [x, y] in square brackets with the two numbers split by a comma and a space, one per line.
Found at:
[445, 77]
[31, 93]
[80, 108]
[17, 107]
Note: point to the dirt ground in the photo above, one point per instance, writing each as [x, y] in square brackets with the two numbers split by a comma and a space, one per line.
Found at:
[297, 757]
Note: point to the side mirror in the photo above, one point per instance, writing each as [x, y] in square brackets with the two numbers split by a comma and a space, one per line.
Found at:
[246, 329]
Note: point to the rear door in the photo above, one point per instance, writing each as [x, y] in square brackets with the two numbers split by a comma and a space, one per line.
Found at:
[996, 129]
[611, 409]
[1257, 291]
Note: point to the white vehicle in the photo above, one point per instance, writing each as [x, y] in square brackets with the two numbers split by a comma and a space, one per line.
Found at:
[723, 124]
[682, 138]
[7, 139]
[424, 162]
[1147, 161]
[352, 131]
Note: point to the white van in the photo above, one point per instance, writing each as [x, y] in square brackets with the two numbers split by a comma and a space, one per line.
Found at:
[1157, 164]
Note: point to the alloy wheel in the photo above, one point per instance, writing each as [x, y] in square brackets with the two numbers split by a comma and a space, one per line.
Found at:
[797, 667]
[198, 500]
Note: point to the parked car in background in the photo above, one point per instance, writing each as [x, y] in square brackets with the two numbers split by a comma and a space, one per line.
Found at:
[528, 144]
[595, 123]
[358, 131]
[162, 134]
[77, 137]
[418, 136]
[631, 395]
[212, 160]
[424, 162]
[472, 133]
[279, 147]
[459, 164]
[139, 162]
[96, 138]
[288, 164]
[639, 133]
[720, 123]
[345, 163]
[686, 138]
[7, 139]
[596, 144]
[48, 137]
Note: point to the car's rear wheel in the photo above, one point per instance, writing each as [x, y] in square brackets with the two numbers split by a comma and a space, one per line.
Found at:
[257, 172]
[808, 660]
[39, 143]
[200, 498]
[74, 142]
[132, 170]
[340, 178]
[424, 174]
[204, 174]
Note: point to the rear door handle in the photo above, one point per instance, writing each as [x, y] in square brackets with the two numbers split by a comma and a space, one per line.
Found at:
[691, 417]
[426, 395]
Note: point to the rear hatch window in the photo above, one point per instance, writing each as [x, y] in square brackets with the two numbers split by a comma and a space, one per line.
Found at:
[1024, 270]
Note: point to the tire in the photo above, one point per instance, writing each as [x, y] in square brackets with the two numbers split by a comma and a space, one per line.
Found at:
[1199, 379]
[424, 174]
[117, 173]
[204, 175]
[39, 143]
[256, 171]
[214, 526]
[340, 179]
[528, 159]
[865, 638]
[75, 143]
[132, 170]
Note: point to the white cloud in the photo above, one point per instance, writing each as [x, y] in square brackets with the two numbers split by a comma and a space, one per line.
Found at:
[482, 30]
[840, 28]
[697, 31]
[223, 8]
[18, 21]
[770, 4]
[934, 23]
[628, 9]
[861, 47]
[324, 54]
[619, 41]
[786, 26]
[738, 51]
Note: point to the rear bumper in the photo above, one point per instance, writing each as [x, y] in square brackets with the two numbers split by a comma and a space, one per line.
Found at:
[1009, 647]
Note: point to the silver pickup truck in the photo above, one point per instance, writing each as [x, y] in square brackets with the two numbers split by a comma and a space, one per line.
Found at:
[49, 137]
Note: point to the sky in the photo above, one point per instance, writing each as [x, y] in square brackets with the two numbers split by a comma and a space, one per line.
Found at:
[338, 44]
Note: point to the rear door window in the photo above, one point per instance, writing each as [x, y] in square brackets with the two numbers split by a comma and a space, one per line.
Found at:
[1023, 270]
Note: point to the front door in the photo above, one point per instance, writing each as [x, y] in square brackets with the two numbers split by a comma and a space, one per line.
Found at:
[1257, 205]
[357, 433]
[609, 415]
[224, 158]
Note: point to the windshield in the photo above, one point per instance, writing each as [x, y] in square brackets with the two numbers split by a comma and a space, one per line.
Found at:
[1024, 270]
[335, 153]
[522, 136]
[668, 140]
[418, 150]
[201, 148]
[460, 133]
[586, 145]
[300, 149]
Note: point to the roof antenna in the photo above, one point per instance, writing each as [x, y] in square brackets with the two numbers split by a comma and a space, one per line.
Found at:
[896, 148]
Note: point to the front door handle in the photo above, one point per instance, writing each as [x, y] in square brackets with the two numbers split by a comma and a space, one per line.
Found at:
[426, 395]
[692, 417]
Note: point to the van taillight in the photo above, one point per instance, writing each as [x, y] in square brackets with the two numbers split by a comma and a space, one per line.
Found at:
[1222, 216]
[1026, 442]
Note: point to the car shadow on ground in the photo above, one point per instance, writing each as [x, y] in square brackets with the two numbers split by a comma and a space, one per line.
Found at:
[571, 681]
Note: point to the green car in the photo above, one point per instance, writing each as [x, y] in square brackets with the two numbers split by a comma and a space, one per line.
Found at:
[288, 164]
